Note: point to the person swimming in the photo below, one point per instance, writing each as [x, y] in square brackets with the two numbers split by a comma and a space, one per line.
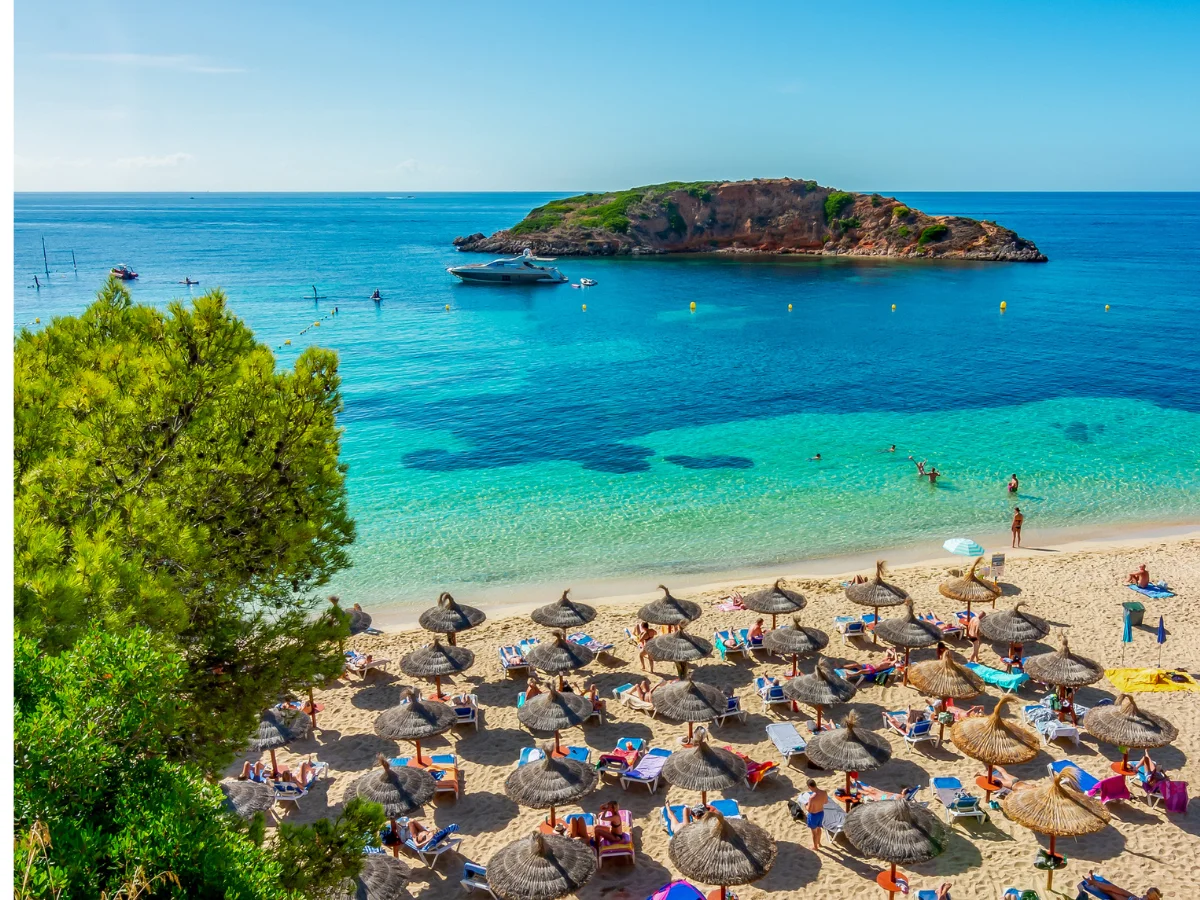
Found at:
[1013, 484]
[375, 296]
[816, 458]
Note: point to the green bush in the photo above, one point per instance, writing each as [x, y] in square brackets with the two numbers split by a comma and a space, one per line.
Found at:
[900, 212]
[903, 231]
[852, 222]
[876, 199]
[835, 203]
[811, 185]
[532, 223]
[933, 234]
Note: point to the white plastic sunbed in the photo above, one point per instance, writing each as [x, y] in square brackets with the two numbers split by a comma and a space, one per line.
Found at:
[787, 740]
[648, 771]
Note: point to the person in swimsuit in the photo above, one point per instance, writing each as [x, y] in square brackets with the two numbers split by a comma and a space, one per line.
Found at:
[891, 449]
[1006, 779]
[814, 812]
[1013, 484]
[608, 822]
[920, 466]
[816, 458]
[755, 632]
[933, 474]
[1105, 889]
[642, 633]
[974, 636]
[419, 833]
[1141, 577]
[532, 689]
[1017, 522]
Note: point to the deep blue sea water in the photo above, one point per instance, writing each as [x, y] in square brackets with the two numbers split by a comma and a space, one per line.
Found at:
[517, 439]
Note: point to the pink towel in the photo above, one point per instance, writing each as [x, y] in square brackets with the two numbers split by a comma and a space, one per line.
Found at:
[1112, 788]
[1176, 793]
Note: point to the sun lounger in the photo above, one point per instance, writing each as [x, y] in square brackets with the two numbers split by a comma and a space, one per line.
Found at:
[948, 629]
[1009, 681]
[648, 771]
[869, 620]
[590, 642]
[475, 879]
[756, 772]
[468, 714]
[738, 647]
[444, 770]
[289, 792]
[441, 842]
[914, 733]
[672, 815]
[744, 637]
[620, 760]
[733, 710]
[848, 627]
[1086, 781]
[1047, 724]
[835, 816]
[787, 740]
[512, 660]
[906, 794]
[871, 674]
[533, 754]
[959, 802]
[626, 697]
[357, 664]
[620, 847]
[771, 694]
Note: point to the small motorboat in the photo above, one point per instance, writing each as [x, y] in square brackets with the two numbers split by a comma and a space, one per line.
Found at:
[186, 281]
[123, 272]
[587, 282]
[521, 269]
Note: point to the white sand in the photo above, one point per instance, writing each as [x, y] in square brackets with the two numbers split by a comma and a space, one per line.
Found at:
[1078, 586]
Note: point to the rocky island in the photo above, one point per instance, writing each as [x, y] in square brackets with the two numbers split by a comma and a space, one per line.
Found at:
[776, 216]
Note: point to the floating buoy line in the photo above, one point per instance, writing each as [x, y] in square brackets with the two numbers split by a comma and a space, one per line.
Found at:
[308, 328]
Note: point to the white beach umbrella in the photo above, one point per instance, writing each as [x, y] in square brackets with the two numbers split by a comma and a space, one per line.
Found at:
[963, 547]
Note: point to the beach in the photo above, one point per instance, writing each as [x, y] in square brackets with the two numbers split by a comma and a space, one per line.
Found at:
[1078, 586]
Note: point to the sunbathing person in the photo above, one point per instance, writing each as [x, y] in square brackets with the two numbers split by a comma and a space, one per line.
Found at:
[1006, 779]
[873, 793]
[593, 694]
[914, 715]
[253, 772]
[532, 689]
[608, 823]
[301, 780]
[688, 815]
[418, 833]
[577, 828]
[512, 656]
[755, 632]
[1148, 770]
[1104, 889]
[889, 659]
[1141, 577]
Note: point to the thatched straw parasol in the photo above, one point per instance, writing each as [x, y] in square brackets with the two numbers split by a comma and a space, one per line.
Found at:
[669, 610]
[450, 617]
[678, 647]
[775, 601]
[1056, 807]
[909, 632]
[970, 588]
[563, 613]
[277, 727]
[550, 782]
[795, 640]
[435, 660]
[876, 593]
[559, 655]
[1123, 723]
[245, 798]
[1066, 671]
[360, 620]
[381, 878]
[848, 749]
[689, 701]
[398, 789]
[824, 687]
[994, 740]
[704, 768]
[721, 851]
[414, 718]
[898, 831]
[947, 678]
[555, 710]
[1013, 626]
[540, 867]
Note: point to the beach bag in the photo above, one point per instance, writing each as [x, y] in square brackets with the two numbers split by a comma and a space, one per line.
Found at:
[796, 810]
[945, 718]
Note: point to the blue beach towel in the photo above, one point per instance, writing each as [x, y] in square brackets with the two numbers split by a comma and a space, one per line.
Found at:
[1158, 591]
[1010, 681]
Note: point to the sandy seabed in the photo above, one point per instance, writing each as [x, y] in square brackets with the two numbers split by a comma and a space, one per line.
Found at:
[1079, 591]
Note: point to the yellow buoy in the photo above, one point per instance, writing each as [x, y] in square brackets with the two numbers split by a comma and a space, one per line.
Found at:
[316, 324]
[447, 307]
[585, 307]
[789, 307]
[39, 321]
[1106, 307]
[288, 342]
[693, 304]
[893, 307]
[1003, 305]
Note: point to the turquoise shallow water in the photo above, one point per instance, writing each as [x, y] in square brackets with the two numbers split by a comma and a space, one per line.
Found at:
[516, 439]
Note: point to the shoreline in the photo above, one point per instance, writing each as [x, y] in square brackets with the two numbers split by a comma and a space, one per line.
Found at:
[520, 599]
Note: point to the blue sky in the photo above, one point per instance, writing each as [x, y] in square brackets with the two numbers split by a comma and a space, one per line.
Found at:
[369, 96]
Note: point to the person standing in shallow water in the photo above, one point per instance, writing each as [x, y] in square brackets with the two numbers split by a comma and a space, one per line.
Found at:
[1013, 484]
[1017, 522]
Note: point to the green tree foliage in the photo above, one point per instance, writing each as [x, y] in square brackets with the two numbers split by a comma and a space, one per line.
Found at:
[932, 234]
[98, 805]
[167, 476]
[835, 203]
[900, 212]
[326, 853]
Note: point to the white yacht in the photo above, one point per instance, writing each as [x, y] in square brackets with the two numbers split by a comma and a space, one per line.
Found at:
[523, 269]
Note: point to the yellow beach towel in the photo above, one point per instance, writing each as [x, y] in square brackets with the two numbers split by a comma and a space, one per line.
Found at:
[1137, 681]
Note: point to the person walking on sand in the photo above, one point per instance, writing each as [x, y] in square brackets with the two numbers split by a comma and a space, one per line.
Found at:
[814, 812]
[974, 636]
[1017, 522]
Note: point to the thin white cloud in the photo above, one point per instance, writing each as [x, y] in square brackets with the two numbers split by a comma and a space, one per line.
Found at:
[153, 162]
[180, 62]
[51, 162]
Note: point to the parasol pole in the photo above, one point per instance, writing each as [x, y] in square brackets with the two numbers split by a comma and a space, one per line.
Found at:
[451, 638]
[874, 625]
[772, 628]
[552, 815]
[689, 732]
[418, 743]
[1050, 871]
[907, 651]
[274, 765]
[312, 705]
[848, 797]
[437, 683]
[796, 662]
[704, 799]
[818, 718]
[557, 746]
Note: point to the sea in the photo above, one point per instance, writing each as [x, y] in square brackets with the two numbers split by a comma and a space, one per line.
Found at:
[661, 426]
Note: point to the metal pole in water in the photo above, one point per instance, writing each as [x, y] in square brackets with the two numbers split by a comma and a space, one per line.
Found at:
[45, 261]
